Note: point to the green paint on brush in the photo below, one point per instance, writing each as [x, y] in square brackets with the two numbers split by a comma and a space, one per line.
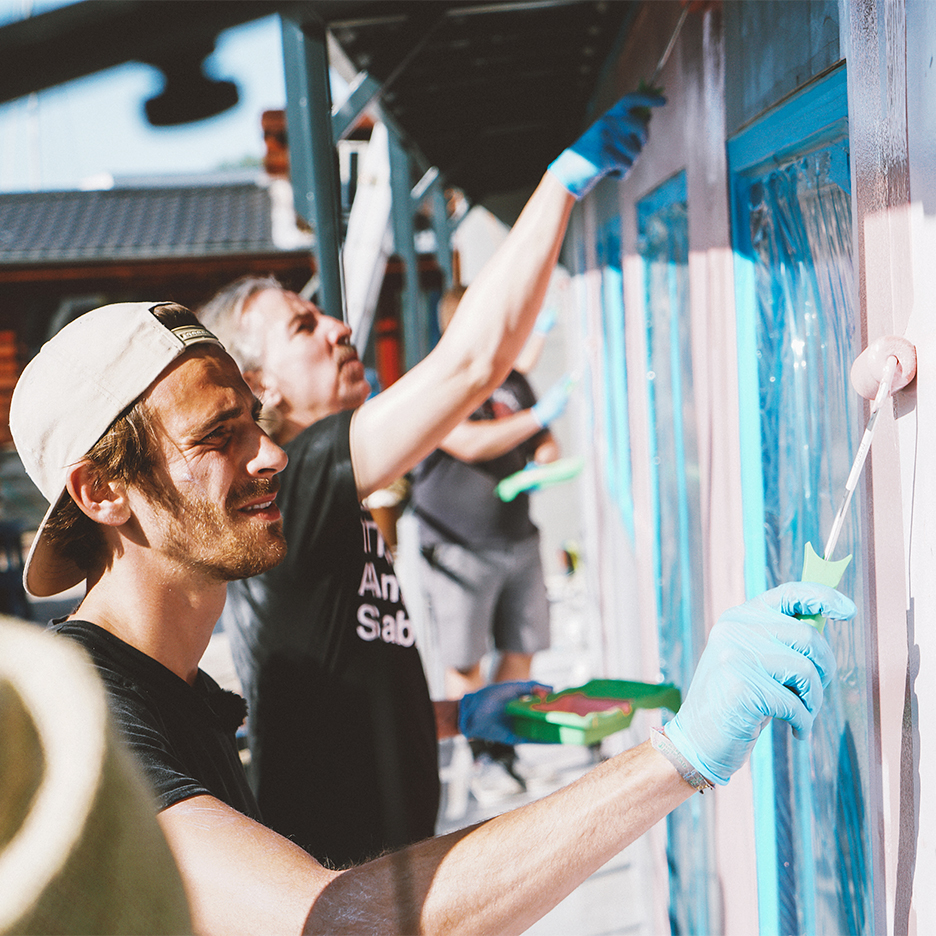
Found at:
[534, 477]
[824, 572]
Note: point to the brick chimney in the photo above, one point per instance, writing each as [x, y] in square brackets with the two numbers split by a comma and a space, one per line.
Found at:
[276, 158]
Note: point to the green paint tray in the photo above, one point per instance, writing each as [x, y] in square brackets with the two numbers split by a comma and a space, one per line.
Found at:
[586, 714]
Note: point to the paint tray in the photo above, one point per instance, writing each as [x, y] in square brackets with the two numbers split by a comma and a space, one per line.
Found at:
[586, 714]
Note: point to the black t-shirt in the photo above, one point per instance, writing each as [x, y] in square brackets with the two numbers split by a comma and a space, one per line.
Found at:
[183, 735]
[344, 756]
[456, 501]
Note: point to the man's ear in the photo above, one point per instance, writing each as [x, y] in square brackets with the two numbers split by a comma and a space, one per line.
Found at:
[103, 501]
[263, 388]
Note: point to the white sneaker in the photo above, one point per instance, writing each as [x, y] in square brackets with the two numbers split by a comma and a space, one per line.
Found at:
[491, 783]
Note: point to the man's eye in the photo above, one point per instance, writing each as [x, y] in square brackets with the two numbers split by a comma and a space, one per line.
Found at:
[215, 437]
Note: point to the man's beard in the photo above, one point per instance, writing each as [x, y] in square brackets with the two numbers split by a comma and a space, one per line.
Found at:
[222, 543]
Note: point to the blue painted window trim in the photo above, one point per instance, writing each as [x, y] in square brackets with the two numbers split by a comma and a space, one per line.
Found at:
[808, 120]
[617, 423]
[668, 192]
[692, 900]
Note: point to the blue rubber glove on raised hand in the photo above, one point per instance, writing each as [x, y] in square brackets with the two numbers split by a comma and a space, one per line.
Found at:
[553, 402]
[481, 714]
[610, 146]
[759, 663]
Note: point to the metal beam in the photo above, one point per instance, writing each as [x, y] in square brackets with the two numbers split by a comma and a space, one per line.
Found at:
[313, 163]
[443, 233]
[414, 343]
[364, 92]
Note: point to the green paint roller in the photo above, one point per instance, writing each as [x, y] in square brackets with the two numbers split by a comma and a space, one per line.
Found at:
[885, 366]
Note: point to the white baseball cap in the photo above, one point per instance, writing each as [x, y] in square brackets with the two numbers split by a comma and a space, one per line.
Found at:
[67, 397]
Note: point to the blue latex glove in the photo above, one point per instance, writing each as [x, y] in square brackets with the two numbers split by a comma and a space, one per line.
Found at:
[610, 146]
[759, 662]
[481, 714]
[551, 405]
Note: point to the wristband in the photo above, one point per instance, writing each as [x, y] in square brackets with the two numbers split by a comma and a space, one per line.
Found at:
[685, 770]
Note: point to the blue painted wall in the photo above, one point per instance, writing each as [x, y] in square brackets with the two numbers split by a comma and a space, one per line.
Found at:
[773, 47]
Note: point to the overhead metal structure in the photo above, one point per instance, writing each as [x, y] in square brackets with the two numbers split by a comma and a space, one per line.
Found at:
[481, 93]
[486, 91]
[404, 233]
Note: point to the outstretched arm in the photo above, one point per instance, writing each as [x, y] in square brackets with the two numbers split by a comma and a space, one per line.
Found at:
[498, 877]
[501, 876]
[476, 440]
[397, 428]
[393, 431]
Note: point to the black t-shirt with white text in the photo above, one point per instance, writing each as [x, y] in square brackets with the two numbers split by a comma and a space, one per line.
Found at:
[344, 756]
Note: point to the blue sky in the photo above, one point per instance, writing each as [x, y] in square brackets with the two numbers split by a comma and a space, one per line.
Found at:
[71, 133]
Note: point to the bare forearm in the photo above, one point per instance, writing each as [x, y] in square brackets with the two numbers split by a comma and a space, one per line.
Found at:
[394, 430]
[498, 877]
[483, 439]
[502, 876]
[497, 313]
[547, 451]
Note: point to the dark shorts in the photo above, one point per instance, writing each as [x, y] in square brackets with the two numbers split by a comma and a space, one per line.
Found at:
[483, 597]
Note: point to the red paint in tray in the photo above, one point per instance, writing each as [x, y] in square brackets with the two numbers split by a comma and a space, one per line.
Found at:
[577, 703]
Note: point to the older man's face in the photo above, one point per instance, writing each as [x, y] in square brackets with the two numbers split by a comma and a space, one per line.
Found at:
[310, 368]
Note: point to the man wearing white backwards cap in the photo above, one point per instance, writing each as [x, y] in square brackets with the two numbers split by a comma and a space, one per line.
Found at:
[144, 436]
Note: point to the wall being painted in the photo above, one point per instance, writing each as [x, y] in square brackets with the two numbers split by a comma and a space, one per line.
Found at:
[906, 638]
[686, 137]
[731, 69]
[766, 70]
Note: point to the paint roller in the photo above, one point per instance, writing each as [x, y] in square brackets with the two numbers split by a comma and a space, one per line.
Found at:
[650, 87]
[884, 367]
[688, 6]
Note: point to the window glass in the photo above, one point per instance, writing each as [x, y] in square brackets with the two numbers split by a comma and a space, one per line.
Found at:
[793, 241]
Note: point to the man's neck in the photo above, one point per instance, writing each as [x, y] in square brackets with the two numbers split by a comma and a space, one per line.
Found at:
[172, 623]
[288, 431]
[293, 423]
